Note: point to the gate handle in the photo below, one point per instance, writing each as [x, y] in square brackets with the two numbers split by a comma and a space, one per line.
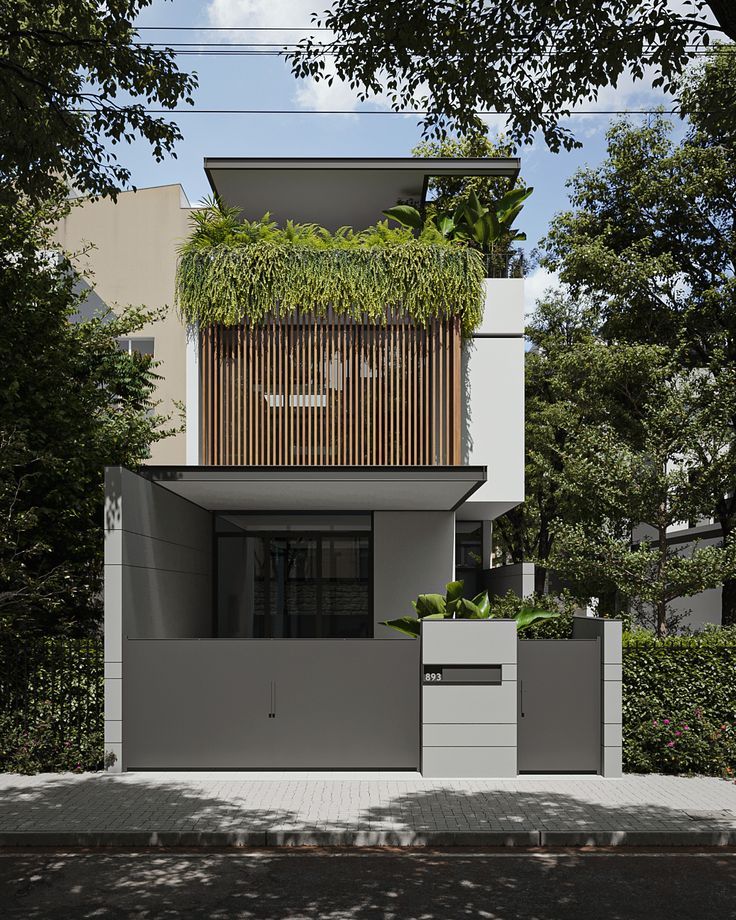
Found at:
[272, 713]
[521, 697]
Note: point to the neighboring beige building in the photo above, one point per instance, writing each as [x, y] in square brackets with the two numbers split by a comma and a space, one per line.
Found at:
[133, 261]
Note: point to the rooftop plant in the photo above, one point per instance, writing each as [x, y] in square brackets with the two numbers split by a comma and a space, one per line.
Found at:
[232, 269]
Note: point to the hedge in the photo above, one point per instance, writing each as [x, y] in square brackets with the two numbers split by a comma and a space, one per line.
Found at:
[51, 705]
[679, 702]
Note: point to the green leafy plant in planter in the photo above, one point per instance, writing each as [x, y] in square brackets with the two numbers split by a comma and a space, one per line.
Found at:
[232, 270]
[484, 227]
[453, 606]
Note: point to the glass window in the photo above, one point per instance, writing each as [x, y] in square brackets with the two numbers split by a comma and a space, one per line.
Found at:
[469, 554]
[294, 586]
[136, 346]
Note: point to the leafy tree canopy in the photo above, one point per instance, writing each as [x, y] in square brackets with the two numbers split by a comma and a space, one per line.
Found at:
[534, 59]
[73, 80]
[70, 403]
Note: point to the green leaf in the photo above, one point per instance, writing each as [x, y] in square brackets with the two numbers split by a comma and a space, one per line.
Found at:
[406, 215]
[407, 625]
[429, 604]
[467, 610]
[529, 615]
[483, 604]
[454, 591]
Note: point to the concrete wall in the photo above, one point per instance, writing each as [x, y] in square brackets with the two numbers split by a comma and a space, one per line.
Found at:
[518, 578]
[470, 730]
[493, 407]
[158, 578]
[413, 553]
[609, 633]
[134, 262]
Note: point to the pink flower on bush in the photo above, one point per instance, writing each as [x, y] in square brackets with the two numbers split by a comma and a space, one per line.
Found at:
[677, 734]
[670, 744]
[686, 728]
[665, 721]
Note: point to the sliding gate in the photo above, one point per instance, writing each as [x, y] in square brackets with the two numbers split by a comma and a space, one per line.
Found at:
[271, 704]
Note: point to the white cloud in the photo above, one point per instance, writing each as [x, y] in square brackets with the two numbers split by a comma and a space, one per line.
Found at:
[536, 286]
[279, 14]
[282, 15]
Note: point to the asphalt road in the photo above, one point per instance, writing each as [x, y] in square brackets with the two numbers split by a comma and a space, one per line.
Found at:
[391, 885]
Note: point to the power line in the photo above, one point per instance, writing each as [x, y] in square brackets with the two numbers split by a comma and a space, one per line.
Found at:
[386, 112]
[231, 29]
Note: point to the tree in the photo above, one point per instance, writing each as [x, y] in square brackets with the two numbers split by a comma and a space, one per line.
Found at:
[447, 192]
[576, 383]
[650, 242]
[644, 486]
[531, 60]
[71, 75]
[70, 403]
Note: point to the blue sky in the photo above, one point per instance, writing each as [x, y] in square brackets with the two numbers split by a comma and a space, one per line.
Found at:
[266, 82]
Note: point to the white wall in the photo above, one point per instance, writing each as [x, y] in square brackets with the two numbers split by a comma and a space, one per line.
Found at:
[493, 418]
[413, 553]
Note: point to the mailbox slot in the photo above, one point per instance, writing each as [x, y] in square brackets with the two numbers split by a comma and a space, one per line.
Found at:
[433, 674]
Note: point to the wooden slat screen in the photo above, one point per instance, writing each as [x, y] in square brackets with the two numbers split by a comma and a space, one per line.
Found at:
[309, 391]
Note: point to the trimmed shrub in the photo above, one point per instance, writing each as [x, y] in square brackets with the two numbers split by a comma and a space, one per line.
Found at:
[675, 682]
[51, 705]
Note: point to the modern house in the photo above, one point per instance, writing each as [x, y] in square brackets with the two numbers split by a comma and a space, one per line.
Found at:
[335, 464]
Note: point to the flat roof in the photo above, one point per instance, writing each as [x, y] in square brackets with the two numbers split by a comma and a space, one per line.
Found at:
[320, 488]
[336, 191]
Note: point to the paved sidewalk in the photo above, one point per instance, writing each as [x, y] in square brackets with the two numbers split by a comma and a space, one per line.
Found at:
[401, 809]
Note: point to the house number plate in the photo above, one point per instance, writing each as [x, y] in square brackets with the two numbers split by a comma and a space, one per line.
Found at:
[462, 674]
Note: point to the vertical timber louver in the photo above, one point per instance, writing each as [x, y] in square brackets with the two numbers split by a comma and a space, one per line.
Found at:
[327, 391]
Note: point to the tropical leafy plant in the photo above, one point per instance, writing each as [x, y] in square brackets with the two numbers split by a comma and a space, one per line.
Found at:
[232, 269]
[454, 606]
[482, 227]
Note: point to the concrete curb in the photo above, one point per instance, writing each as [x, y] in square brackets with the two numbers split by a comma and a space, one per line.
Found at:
[285, 837]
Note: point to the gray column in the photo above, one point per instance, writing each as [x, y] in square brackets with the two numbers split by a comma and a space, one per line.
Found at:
[609, 632]
[469, 729]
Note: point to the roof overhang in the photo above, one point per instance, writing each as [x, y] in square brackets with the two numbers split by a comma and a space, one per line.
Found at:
[336, 192]
[324, 489]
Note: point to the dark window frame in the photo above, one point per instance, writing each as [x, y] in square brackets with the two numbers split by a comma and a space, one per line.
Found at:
[317, 535]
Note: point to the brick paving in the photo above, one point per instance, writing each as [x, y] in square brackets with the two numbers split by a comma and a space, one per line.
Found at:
[353, 807]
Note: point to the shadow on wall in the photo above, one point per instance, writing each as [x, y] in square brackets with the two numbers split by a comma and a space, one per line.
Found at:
[337, 884]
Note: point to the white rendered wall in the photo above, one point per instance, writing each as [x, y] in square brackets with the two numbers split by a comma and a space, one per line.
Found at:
[413, 553]
[192, 391]
[493, 419]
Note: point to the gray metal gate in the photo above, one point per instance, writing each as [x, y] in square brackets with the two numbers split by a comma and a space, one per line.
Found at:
[559, 706]
[271, 704]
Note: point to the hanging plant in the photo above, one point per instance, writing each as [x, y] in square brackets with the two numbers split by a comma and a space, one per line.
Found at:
[231, 270]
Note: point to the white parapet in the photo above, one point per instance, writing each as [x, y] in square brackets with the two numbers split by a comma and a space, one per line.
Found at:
[493, 416]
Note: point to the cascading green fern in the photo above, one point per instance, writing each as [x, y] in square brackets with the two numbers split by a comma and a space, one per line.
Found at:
[230, 270]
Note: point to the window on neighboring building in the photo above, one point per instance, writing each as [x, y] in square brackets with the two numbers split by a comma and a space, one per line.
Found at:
[136, 346]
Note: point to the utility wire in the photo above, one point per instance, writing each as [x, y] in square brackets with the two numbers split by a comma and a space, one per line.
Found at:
[385, 111]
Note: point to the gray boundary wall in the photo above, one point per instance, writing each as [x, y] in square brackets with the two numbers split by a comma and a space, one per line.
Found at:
[610, 634]
[470, 730]
[158, 578]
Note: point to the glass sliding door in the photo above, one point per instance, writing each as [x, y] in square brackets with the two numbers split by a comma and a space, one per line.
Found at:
[294, 585]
